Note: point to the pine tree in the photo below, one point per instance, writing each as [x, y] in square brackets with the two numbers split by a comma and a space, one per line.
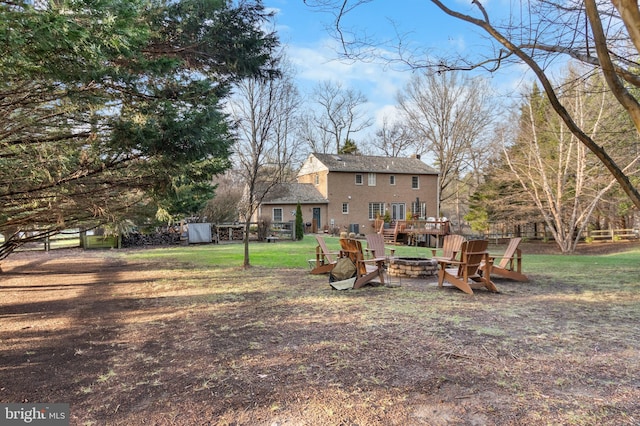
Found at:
[299, 223]
[111, 107]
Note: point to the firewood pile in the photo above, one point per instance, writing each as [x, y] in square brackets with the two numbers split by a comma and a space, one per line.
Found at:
[229, 233]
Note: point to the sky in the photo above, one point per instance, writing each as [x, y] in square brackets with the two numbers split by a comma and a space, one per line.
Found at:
[312, 50]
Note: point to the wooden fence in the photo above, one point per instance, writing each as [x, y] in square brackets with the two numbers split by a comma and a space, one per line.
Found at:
[611, 234]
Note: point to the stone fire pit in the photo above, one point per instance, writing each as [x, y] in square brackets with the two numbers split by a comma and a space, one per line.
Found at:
[412, 267]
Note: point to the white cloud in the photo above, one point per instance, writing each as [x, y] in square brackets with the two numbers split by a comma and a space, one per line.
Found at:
[377, 82]
[390, 113]
[315, 64]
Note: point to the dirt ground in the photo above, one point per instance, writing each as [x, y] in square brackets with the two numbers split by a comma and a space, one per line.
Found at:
[128, 342]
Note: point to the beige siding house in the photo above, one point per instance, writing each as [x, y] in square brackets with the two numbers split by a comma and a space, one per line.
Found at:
[358, 189]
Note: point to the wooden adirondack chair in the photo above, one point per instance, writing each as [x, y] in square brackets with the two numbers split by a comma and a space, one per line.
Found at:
[325, 259]
[465, 273]
[510, 265]
[367, 269]
[451, 245]
[376, 248]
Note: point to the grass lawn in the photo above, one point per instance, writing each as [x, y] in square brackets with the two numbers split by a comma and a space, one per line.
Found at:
[617, 267]
[283, 254]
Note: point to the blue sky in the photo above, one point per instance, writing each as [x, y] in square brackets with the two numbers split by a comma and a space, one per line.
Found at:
[313, 52]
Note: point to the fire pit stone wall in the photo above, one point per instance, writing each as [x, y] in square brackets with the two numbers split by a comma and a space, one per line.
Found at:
[412, 267]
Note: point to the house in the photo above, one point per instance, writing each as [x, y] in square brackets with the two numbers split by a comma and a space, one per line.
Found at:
[359, 189]
[349, 192]
[280, 203]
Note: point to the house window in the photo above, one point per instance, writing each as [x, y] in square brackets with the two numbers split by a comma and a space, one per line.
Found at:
[419, 210]
[317, 179]
[372, 179]
[277, 214]
[345, 208]
[376, 210]
[358, 179]
[392, 180]
[415, 182]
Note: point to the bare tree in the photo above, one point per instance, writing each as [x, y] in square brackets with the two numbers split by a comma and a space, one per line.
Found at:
[316, 140]
[450, 117]
[394, 139]
[338, 117]
[555, 170]
[604, 35]
[264, 112]
[224, 206]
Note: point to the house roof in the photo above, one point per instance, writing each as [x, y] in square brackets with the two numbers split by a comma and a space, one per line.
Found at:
[293, 193]
[374, 164]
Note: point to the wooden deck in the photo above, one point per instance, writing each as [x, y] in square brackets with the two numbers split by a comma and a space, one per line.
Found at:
[414, 231]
